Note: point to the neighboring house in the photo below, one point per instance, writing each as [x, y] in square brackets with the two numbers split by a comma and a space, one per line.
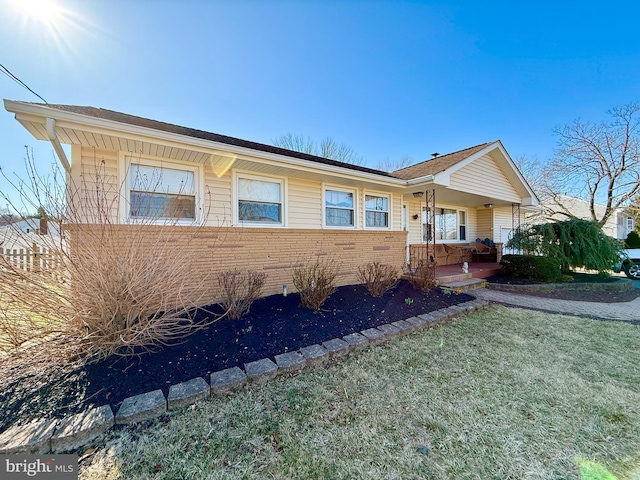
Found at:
[25, 233]
[276, 207]
[619, 225]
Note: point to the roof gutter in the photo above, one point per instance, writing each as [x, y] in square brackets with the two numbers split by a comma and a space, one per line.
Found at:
[53, 138]
[425, 179]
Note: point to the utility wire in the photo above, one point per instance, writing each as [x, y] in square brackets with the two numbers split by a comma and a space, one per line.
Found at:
[8, 73]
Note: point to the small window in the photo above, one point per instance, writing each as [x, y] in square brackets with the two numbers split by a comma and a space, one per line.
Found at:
[161, 192]
[259, 201]
[462, 225]
[376, 211]
[339, 208]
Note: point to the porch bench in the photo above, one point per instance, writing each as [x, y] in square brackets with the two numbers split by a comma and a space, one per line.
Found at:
[457, 253]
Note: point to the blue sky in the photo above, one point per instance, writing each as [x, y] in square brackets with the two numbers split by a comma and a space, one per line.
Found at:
[387, 78]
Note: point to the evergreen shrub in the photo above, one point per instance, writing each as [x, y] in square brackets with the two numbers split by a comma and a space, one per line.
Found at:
[531, 267]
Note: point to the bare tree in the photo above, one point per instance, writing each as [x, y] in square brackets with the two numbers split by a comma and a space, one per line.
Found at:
[599, 163]
[388, 165]
[327, 148]
[533, 172]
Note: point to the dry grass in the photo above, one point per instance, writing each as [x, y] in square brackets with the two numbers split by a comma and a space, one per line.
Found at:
[505, 393]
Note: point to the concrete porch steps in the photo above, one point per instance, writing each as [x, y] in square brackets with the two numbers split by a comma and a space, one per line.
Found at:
[465, 285]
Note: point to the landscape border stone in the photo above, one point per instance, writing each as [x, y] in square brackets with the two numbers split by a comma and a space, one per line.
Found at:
[141, 407]
[374, 335]
[356, 340]
[261, 370]
[290, 362]
[76, 430]
[33, 438]
[37, 437]
[186, 393]
[227, 380]
[620, 285]
[315, 354]
[336, 347]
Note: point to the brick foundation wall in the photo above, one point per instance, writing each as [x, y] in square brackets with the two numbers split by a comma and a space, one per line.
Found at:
[272, 251]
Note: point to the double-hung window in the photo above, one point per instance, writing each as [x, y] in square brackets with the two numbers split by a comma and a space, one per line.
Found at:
[260, 200]
[376, 211]
[162, 191]
[339, 208]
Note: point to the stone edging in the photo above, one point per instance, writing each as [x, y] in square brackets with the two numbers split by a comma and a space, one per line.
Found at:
[61, 435]
[621, 285]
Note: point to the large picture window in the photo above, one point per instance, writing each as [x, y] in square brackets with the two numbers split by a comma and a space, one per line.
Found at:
[158, 191]
[339, 208]
[450, 224]
[376, 211]
[260, 200]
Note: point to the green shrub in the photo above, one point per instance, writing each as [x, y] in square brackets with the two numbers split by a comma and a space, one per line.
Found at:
[632, 240]
[315, 282]
[531, 267]
[378, 277]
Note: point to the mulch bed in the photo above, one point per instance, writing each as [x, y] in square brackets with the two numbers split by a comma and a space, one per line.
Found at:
[275, 325]
[570, 293]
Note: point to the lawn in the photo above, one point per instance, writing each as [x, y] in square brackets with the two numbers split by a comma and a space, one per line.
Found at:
[503, 393]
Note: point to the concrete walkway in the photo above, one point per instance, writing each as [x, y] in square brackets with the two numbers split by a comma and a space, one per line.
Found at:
[610, 311]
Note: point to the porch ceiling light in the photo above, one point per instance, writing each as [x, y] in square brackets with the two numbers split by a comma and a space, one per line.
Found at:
[418, 194]
[488, 205]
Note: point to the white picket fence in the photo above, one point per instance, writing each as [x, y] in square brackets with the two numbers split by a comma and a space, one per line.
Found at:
[35, 259]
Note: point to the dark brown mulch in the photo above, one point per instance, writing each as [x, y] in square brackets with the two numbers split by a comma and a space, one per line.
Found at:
[570, 293]
[275, 325]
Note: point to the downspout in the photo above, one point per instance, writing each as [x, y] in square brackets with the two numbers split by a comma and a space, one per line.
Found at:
[55, 143]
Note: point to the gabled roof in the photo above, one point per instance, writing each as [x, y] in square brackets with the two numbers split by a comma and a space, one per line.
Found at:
[114, 116]
[438, 164]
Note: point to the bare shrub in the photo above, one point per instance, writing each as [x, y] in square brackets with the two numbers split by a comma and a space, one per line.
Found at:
[422, 274]
[239, 290]
[114, 288]
[315, 282]
[378, 277]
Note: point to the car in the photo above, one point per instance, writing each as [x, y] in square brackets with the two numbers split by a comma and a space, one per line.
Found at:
[630, 263]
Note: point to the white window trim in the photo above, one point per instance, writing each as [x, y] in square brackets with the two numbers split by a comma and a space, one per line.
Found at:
[266, 178]
[449, 207]
[125, 160]
[339, 188]
[364, 206]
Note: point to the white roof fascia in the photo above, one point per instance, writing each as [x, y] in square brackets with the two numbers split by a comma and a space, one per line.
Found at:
[185, 141]
[533, 199]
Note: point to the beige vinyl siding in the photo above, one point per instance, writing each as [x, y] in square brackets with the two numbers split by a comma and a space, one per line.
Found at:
[304, 203]
[472, 224]
[484, 177]
[484, 223]
[395, 210]
[502, 224]
[217, 198]
[414, 227]
[94, 172]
